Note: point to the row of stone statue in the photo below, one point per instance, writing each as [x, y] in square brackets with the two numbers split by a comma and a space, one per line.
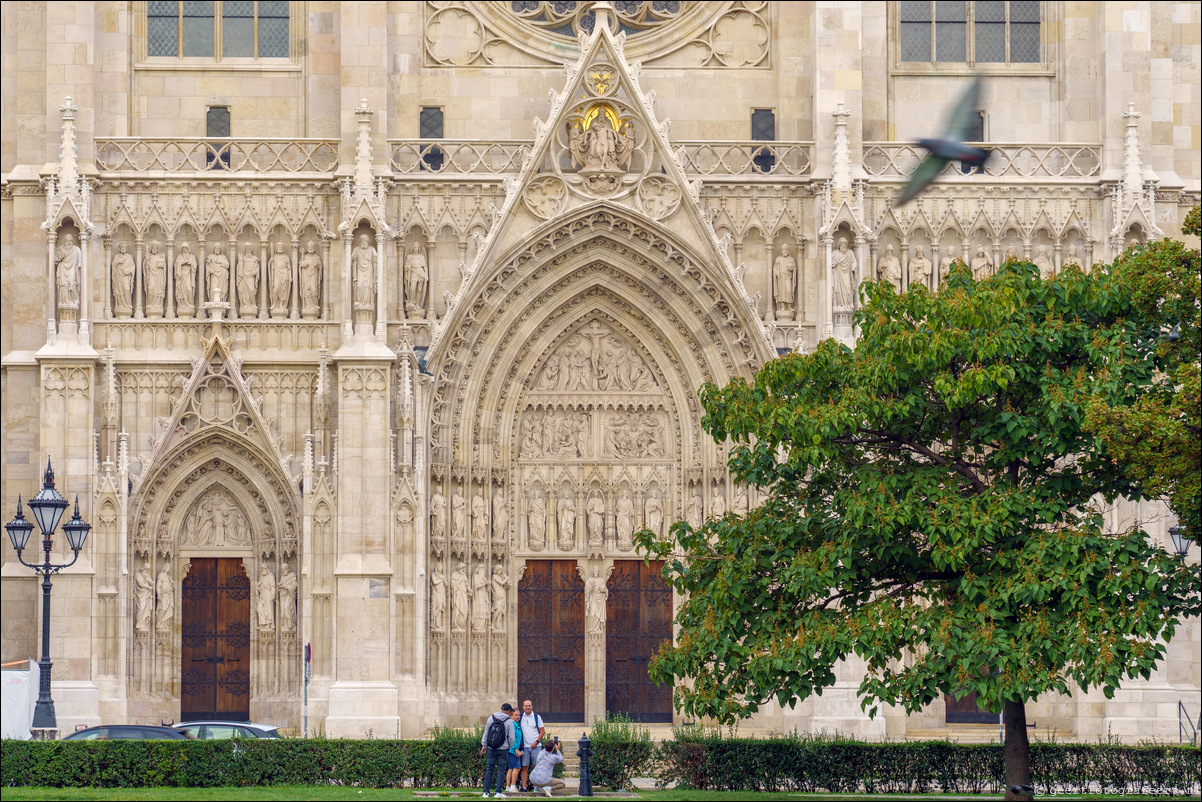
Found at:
[478, 602]
[155, 598]
[562, 513]
[844, 267]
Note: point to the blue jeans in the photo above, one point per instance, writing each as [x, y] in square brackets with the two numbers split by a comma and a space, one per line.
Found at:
[498, 761]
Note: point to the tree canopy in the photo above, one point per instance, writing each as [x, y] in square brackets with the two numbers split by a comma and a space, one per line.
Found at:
[933, 507]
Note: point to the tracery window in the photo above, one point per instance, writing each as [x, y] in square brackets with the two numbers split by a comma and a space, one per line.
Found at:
[568, 18]
[963, 32]
[215, 29]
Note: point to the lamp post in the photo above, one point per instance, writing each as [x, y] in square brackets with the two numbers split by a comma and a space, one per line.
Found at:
[1181, 543]
[47, 507]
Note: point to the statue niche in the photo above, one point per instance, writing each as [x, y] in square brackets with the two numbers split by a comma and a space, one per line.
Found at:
[601, 144]
[216, 519]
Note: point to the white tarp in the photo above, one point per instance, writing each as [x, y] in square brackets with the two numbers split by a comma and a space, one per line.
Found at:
[16, 712]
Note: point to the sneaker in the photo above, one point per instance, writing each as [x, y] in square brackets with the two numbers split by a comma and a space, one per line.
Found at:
[547, 790]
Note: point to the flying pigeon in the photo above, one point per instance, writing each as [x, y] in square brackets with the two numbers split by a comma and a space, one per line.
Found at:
[948, 148]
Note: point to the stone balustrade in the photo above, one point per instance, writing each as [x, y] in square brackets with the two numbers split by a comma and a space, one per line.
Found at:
[215, 156]
[718, 158]
[1021, 160]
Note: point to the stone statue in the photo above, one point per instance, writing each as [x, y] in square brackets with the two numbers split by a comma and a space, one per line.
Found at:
[595, 507]
[693, 511]
[279, 273]
[717, 504]
[143, 598]
[1011, 255]
[154, 274]
[265, 601]
[481, 604]
[479, 518]
[310, 282]
[438, 515]
[1072, 258]
[889, 268]
[625, 522]
[500, 516]
[217, 274]
[68, 261]
[363, 272]
[920, 267]
[945, 267]
[500, 581]
[165, 590]
[784, 282]
[600, 147]
[287, 592]
[417, 275]
[459, 599]
[595, 597]
[843, 275]
[536, 521]
[185, 281]
[458, 515]
[567, 523]
[982, 265]
[653, 512]
[248, 281]
[740, 506]
[438, 598]
[1044, 263]
[123, 281]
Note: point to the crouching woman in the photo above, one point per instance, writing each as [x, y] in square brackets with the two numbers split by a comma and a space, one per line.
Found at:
[540, 775]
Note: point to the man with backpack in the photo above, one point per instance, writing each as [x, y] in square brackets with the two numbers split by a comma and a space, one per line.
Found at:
[498, 739]
[532, 737]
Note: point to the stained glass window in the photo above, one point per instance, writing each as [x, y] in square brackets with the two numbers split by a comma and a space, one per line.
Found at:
[189, 28]
[962, 32]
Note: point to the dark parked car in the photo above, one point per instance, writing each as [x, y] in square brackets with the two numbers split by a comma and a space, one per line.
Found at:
[217, 730]
[127, 732]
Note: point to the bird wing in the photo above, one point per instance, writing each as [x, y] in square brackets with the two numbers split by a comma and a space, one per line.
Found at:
[923, 175]
[960, 120]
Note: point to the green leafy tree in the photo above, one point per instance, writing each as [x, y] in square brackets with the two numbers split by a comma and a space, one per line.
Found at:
[1160, 435]
[931, 509]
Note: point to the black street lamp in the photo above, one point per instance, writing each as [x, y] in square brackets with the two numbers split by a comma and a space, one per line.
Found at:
[47, 507]
[1181, 543]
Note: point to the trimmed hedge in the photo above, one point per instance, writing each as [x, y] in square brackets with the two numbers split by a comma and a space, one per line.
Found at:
[710, 762]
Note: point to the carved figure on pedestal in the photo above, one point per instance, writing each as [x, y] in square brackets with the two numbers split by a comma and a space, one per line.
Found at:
[1011, 255]
[625, 522]
[265, 600]
[982, 265]
[945, 267]
[843, 275]
[479, 525]
[123, 281]
[165, 590]
[287, 591]
[310, 282]
[154, 273]
[363, 272]
[1072, 258]
[500, 581]
[920, 267]
[596, 520]
[417, 275]
[600, 147]
[438, 515]
[217, 274]
[784, 283]
[1044, 263]
[248, 281]
[185, 281]
[68, 261]
[279, 273]
[653, 512]
[595, 597]
[889, 268]
[458, 515]
[536, 521]
[693, 510]
[438, 598]
[740, 506]
[500, 516]
[481, 604]
[717, 504]
[143, 598]
[567, 523]
[460, 602]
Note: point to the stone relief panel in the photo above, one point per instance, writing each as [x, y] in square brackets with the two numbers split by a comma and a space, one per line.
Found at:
[216, 520]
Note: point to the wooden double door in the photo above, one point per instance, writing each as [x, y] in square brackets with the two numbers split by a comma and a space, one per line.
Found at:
[638, 620]
[551, 639]
[215, 641]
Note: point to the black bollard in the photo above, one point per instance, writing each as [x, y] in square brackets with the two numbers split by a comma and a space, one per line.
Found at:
[586, 749]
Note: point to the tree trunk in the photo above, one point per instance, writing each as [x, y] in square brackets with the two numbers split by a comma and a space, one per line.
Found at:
[1017, 750]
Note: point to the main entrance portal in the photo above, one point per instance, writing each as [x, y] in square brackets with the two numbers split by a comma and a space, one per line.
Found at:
[215, 647]
[638, 620]
[551, 639]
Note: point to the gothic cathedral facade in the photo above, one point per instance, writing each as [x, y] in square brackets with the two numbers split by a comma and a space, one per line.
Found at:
[369, 333]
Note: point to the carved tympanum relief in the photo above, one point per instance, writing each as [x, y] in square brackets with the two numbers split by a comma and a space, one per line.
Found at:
[595, 359]
[216, 520]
